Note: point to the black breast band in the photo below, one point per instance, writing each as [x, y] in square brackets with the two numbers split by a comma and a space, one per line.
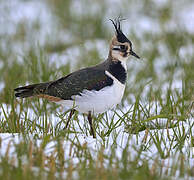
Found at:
[118, 71]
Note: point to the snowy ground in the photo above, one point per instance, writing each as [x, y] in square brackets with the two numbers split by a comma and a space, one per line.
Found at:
[118, 138]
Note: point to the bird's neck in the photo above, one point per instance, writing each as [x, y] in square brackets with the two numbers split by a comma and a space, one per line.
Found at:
[118, 58]
[118, 69]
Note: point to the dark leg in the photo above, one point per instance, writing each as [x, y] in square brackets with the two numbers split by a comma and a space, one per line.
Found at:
[91, 127]
[69, 118]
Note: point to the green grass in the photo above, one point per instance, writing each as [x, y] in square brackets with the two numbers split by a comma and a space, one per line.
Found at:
[150, 135]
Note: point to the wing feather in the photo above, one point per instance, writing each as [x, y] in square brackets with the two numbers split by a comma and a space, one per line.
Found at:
[75, 83]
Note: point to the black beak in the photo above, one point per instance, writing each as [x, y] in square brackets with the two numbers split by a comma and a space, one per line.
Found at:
[134, 54]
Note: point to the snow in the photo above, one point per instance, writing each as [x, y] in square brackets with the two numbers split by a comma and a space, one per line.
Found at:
[122, 140]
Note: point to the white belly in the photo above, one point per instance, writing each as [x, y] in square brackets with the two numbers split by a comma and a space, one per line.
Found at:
[97, 101]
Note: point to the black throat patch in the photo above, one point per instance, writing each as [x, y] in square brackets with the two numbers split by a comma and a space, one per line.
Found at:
[118, 71]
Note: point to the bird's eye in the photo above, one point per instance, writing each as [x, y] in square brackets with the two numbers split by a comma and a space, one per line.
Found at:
[123, 47]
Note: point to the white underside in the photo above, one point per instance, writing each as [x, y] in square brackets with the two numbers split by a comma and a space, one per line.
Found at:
[97, 101]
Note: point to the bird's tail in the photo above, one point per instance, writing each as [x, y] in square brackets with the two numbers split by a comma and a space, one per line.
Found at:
[30, 90]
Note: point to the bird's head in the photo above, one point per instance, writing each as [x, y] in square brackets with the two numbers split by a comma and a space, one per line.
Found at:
[120, 46]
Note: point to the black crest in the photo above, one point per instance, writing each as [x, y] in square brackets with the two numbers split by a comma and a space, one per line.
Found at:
[120, 36]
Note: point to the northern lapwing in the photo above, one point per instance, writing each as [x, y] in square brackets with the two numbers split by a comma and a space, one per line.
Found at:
[93, 89]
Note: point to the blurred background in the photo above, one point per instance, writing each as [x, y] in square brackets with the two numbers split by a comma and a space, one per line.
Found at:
[44, 40]
[148, 136]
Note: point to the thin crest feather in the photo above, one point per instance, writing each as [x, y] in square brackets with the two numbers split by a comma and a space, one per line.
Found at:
[119, 34]
[117, 24]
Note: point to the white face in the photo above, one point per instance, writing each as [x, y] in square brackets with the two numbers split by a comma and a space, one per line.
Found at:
[121, 51]
[118, 55]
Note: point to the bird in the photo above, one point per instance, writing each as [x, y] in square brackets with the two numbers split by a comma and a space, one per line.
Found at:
[91, 90]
